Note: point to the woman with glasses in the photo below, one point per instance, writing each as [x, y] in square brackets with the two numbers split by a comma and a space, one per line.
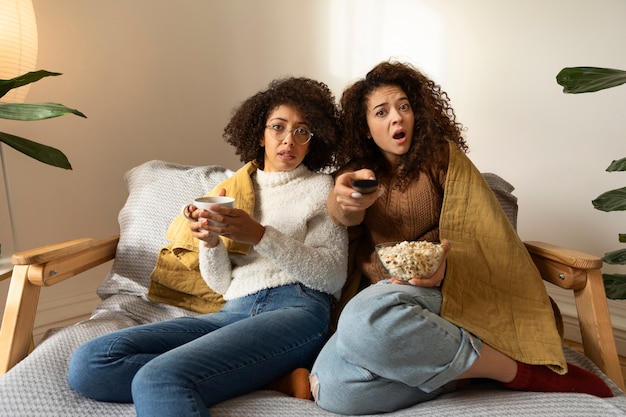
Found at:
[278, 261]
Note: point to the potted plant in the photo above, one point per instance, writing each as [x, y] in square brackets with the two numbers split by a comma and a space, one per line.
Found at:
[577, 80]
[29, 112]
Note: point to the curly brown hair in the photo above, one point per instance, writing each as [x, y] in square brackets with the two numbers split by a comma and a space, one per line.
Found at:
[312, 99]
[435, 124]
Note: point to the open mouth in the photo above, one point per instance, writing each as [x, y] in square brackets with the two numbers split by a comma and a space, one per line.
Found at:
[399, 135]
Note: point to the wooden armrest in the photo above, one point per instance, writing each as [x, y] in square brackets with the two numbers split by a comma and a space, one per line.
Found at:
[582, 273]
[33, 269]
[563, 267]
[49, 252]
[55, 263]
[569, 257]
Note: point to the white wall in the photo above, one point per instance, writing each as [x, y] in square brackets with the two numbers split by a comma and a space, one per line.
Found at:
[158, 79]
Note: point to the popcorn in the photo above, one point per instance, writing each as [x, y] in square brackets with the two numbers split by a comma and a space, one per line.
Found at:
[406, 260]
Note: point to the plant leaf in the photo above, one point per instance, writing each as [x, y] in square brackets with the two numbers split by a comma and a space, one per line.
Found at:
[577, 80]
[619, 165]
[616, 257]
[46, 154]
[614, 200]
[615, 286]
[30, 77]
[29, 112]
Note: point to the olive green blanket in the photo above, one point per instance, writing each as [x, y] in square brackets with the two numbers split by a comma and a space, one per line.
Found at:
[492, 287]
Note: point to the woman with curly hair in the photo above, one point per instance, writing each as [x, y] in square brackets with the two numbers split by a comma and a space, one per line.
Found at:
[277, 259]
[484, 313]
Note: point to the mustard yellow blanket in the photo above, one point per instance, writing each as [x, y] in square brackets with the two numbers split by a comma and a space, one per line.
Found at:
[176, 278]
[509, 308]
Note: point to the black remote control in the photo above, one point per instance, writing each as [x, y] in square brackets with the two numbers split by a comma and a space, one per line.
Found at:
[365, 186]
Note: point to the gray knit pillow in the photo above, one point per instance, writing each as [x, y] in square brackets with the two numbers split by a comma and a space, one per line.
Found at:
[157, 191]
[503, 191]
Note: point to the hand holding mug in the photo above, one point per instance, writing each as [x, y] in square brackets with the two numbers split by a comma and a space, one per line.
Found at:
[199, 222]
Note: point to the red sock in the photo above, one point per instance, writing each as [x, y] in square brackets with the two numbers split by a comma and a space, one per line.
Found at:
[541, 379]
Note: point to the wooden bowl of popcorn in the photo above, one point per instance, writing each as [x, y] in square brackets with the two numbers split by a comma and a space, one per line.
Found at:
[410, 259]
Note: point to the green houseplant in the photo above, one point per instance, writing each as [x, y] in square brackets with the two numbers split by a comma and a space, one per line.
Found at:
[30, 112]
[577, 80]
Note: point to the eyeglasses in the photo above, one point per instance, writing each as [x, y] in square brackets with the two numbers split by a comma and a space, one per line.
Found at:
[300, 135]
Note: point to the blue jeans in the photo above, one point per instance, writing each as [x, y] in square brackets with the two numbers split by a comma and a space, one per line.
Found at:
[183, 366]
[391, 350]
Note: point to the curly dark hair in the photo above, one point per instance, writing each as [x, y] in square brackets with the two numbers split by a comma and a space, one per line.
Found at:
[435, 124]
[312, 99]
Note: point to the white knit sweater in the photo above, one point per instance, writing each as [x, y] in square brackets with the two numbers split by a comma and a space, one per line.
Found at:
[300, 245]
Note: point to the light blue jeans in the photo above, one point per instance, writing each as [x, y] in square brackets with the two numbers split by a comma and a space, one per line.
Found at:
[183, 366]
[391, 350]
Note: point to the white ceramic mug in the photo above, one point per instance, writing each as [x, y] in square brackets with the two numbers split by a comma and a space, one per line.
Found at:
[206, 203]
